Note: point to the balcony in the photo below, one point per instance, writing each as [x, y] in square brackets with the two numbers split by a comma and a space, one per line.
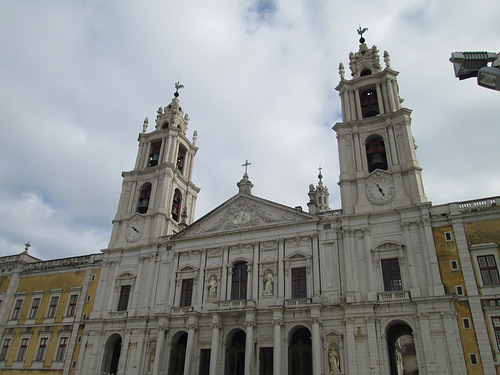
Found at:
[396, 295]
[298, 302]
[233, 305]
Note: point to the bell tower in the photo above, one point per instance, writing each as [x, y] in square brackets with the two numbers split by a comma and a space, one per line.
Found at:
[378, 165]
[158, 196]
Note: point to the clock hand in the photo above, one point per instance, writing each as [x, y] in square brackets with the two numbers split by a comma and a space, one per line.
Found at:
[380, 189]
[135, 229]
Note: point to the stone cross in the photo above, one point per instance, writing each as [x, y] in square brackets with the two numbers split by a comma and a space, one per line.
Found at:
[246, 165]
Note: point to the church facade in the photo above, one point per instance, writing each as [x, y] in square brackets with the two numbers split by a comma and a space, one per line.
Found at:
[387, 284]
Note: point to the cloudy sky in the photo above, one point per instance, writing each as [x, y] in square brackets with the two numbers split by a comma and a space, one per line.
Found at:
[77, 79]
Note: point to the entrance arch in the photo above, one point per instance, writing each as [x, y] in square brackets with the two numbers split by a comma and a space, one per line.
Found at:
[300, 352]
[235, 354]
[402, 353]
[178, 354]
[112, 351]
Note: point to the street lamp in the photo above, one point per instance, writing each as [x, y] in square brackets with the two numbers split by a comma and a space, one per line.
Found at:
[475, 64]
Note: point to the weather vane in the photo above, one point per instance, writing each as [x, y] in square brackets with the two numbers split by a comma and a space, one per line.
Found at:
[177, 87]
[361, 32]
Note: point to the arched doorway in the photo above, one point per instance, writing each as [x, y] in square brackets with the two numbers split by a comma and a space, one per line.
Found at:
[300, 353]
[235, 354]
[112, 351]
[178, 355]
[402, 354]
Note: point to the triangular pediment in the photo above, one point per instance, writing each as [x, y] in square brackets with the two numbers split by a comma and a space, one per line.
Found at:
[244, 212]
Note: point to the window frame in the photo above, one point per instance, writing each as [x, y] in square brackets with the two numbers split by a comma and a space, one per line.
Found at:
[52, 309]
[488, 269]
[298, 285]
[61, 349]
[239, 281]
[23, 349]
[72, 305]
[393, 275]
[42, 349]
[16, 311]
[124, 298]
[4, 351]
[35, 307]
[186, 297]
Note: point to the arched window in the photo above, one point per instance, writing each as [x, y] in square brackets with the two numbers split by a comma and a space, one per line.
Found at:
[235, 354]
[239, 283]
[178, 355]
[112, 351]
[402, 353]
[375, 153]
[144, 195]
[154, 154]
[300, 353]
[369, 102]
[176, 205]
[181, 156]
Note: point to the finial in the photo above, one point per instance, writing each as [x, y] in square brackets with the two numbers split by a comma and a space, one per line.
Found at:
[177, 87]
[195, 137]
[387, 59]
[246, 166]
[320, 176]
[361, 32]
[145, 125]
[341, 71]
[27, 246]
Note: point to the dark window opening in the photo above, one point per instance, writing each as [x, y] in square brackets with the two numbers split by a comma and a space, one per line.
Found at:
[391, 275]
[369, 103]
[165, 125]
[266, 361]
[186, 292]
[402, 353]
[5, 349]
[17, 309]
[239, 283]
[181, 156]
[300, 353]
[204, 368]
[34, 308]
[53, 307]
[176, 205]
[299, 283]
[154, 154]
[365, 72]
[235, 354]
[72, 305]
[375, 155]
[178, 356]
[124, 296]
[144, 196]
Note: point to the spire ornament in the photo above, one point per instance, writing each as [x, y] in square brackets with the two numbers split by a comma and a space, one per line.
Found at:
[361, 32]
[177, 87]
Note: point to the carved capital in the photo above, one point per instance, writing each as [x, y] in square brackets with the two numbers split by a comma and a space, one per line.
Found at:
[278, 322]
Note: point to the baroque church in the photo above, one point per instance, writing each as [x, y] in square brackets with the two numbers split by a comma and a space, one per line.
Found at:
[255, 287]
[387, 284]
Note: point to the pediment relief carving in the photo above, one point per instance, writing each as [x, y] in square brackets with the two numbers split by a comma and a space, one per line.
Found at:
[246, 213]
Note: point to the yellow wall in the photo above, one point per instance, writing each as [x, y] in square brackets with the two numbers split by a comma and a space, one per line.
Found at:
[4, 283]
[446, 252]
[483, 232]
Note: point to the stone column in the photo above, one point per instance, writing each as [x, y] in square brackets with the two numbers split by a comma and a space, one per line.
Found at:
[372, 294]
[191, 345]
[249, 281]
[140, 357]
[277, 323]
[372, 343]
[350, 350]
[357, 102]
[316, 345]
[249, 352]
[160, 343]
[380, 100]
[453, 341]
[214, 351]
[425, 332]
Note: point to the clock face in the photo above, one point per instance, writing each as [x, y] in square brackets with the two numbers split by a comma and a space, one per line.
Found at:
[241, 217]
[134, 230]
[380, 191]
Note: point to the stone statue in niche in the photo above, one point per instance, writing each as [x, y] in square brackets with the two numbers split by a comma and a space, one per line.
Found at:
[212, 288]
[268, 283]
[334, 360]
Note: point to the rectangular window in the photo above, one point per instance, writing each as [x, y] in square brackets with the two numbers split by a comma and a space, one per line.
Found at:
[496, 329]
[186, 292]
[53, 307]
[391, 274]
[473, 359]
[73, 299]
[239, 283]
[466, 323]
[460, 290]
[266, 361]
[299, 283]
[204, 368]
[34, 308]
[17, 309]
[488, 269]
[22, 349]
[42, 348]
[454, 265]
[62, 349]
[124, 296]
[448, 237]
[5, 349]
